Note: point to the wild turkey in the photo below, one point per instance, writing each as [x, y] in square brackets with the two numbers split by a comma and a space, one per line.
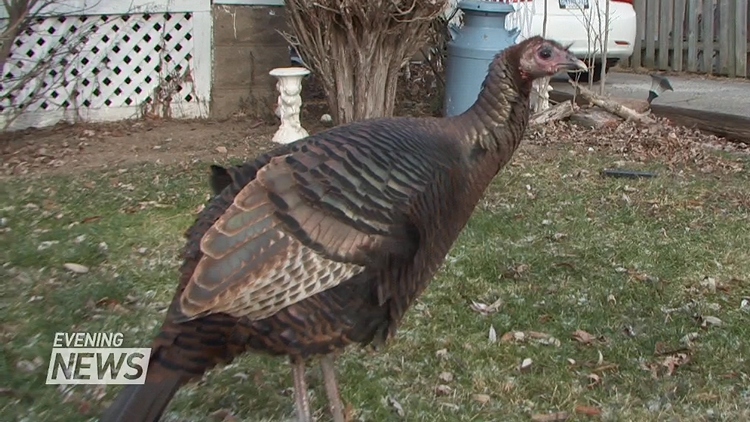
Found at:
[327, 241]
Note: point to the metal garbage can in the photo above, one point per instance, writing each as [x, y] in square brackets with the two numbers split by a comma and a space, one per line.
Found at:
[471, 50]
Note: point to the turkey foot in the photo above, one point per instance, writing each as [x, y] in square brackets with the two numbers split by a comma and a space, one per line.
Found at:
[301, 399]
[332, 388]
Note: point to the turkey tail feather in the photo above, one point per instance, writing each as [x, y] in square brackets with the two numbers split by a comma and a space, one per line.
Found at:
[144, 403]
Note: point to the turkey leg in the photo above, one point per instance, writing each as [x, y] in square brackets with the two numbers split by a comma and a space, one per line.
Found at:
[301, 399]
[332, 388]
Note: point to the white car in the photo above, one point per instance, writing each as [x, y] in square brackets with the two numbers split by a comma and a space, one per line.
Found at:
[577, 22]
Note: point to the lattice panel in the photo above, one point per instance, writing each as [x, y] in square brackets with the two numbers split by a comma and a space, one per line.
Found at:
[101, 61]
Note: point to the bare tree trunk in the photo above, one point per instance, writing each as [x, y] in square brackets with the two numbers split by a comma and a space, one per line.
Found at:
[18, 12]
[357, 48]
[603, 69]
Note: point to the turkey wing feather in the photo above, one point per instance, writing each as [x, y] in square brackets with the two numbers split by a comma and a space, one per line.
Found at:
[306, 223]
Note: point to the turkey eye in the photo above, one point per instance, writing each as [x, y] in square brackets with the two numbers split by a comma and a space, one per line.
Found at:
[545, 54]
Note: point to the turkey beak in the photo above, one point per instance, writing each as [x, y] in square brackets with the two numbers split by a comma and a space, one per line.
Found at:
[574, 64]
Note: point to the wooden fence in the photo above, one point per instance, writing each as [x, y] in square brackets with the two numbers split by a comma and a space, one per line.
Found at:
[676, 35]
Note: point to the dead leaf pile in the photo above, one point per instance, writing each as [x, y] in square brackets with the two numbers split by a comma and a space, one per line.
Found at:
[667, 365]
[676, 146]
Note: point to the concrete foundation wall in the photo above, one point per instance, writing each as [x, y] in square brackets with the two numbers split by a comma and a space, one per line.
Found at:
[246, 47]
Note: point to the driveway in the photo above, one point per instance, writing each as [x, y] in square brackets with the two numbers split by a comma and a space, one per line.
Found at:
[730, 96]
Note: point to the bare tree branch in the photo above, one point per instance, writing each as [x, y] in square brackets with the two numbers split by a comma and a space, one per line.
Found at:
[357, 48]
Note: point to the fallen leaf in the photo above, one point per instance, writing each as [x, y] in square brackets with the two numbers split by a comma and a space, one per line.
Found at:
[543, 338]
[76, 268]
[443, 390]
[594, 380]
[515, 272]
[29, 366]
[446, 376]
[91, 219]
[629, 331]
[588, 410]
[607, 367]
[583, 337]
[493, 334]
[550, 417]
[688, 338]
[396, 406]
[223, 415]
[481, 398]
[672, 362]
[241, 375]
[512, 336]
[349, 413]
[709, 283]
[711, 321]
[485, 309]
[47, 244]
[559, 236]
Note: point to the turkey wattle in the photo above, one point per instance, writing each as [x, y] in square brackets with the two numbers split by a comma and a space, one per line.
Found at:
[327, 241]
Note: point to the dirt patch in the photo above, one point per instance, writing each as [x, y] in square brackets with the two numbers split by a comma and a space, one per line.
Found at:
[79, 148]
[66, 148]
[76, 148]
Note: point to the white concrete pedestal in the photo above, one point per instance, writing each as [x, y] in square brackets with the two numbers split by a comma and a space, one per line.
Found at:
[289, 86]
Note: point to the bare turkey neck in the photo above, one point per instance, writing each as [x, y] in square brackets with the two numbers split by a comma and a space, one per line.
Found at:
[498, 118]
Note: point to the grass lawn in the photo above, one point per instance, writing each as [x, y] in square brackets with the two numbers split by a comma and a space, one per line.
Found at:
[653, 272]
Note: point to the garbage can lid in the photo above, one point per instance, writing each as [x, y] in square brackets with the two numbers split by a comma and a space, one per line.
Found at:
[486, 6]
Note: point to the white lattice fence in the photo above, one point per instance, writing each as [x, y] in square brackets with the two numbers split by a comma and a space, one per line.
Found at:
[108, 67]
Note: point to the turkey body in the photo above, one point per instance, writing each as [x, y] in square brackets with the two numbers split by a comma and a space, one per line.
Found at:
[327, 241]
[387, 209]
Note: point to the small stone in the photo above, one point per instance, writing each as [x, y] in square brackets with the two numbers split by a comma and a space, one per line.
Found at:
[526, 364]
[221, 150]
